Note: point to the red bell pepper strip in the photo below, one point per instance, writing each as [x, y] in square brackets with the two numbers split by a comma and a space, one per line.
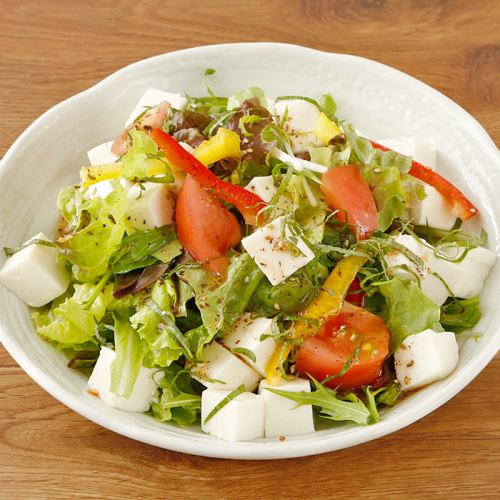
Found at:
[460, 205]
[248, 203]
[355, 294]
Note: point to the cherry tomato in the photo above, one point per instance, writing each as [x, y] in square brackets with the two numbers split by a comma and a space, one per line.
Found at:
[354, 341]
[206, 228]
[346, 190]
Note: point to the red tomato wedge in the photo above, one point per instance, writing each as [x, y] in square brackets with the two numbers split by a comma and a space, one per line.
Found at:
[350, 348]
[248, 203]
[346, 190]
[460, 205]
[206, 228]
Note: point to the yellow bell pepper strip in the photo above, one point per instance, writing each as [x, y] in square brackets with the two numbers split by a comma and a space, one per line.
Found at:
[325, 129]
[248, 203]
[97, 173]
[327, 303]
[224, 144]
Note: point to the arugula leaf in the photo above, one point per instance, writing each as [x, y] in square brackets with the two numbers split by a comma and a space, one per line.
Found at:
[244, 352]
[35, 241]
[137, 249]
[224, 402]
[407, 310]
[459, 315]
[128, 361]
[388, 395]
[221, 303]
[237, 99]
[331, 406]
[179, 401]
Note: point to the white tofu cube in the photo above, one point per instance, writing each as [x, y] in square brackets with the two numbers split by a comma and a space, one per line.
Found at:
[242, 419]
[246, 334]
[222, 370]
[35, 274]
[466, 278]
[153, 97]
[301, 115]
[102, 189]
[263, 187]
[152, 207]
[270, 252]
[433, 211]
[424, 358]
[102, 155]
[283, 416]
[145, 389]
[407, 146]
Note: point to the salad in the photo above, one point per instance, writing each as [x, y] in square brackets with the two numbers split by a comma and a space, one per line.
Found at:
[255, 266]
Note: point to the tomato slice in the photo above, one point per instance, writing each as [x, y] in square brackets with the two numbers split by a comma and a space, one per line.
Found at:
[355, 341]
[346, 190]
[206, 228]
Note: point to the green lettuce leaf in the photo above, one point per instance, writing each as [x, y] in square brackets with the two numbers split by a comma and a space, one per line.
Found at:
[221, 303]
[160, 337]
[68, 324]
[143, 155]
[407, 310]
[90, 249]
[459, 315]
[128, 361]
[328, 105]
[242, 95]
[179, 401]
[71, 322]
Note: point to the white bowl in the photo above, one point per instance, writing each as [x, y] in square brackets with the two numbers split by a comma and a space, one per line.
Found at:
[378, 99]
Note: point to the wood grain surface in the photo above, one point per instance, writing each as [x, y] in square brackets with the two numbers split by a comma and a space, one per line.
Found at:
[51, 50]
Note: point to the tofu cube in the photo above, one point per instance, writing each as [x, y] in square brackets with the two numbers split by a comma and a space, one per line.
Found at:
[301, 115]
[407, 146]
[152, 207]
[222, 370]
[101, 155]
[35, 274]
[246, 334]
[283, 416]
[102, 189]
[466, 278]
[263, 187]
[145, 389]
[153, 97]
[270, 252]
[242, 419]
[424, 358]
[433, 211]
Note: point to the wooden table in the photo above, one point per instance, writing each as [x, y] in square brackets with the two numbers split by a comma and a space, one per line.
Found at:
[53, 49]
